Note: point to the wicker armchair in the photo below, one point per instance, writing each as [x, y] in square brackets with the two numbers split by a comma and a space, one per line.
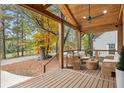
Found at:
[76, 63]
[69, 61]
[108, 68]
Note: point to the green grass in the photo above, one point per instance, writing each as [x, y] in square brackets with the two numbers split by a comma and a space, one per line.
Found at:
[14, 54]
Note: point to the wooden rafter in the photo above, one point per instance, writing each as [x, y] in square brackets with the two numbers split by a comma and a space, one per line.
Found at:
[47, 5]
[42, 11]
[102, 28]
[120, 15]
[68, 14]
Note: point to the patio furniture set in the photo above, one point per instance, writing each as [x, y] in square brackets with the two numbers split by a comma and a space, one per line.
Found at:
[79, 62]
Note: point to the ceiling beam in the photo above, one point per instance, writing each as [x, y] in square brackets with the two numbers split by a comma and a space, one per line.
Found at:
[40, 10]
[120, 15]
[102, 28]
[47, 5]
[64, 8]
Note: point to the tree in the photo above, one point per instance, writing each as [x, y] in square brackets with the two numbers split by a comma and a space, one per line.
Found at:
[46, 38]
[70, 42]
[17, 28]
[4, 25]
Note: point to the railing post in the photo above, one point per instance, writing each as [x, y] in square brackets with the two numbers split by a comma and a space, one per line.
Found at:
[43, 68]
[97, 55]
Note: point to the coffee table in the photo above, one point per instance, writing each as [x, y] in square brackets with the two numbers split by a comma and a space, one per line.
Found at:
[92, 64]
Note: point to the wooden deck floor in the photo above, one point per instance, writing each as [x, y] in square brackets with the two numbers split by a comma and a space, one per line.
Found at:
[66, 78]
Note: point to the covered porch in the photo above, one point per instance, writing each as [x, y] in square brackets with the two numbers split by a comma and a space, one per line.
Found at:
[72, 16]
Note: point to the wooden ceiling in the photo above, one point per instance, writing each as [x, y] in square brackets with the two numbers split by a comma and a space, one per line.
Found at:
[74, 16]
[103, 23]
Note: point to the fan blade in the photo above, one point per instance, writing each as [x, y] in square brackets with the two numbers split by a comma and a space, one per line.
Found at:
[97, 16]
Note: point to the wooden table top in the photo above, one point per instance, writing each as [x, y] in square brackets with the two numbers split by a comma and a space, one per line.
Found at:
[89, 60]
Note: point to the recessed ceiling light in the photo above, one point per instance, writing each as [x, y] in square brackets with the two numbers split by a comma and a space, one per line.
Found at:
[105, 11]
[84, 17]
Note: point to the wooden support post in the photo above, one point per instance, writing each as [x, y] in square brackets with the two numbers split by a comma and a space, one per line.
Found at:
[78, 40]
[61, 44]
[120, 37]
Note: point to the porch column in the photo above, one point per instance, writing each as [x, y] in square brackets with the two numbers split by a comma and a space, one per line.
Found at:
[61, 44]
[120, 37]
[78, 40]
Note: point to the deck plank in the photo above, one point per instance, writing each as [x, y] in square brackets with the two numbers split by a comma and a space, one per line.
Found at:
[75, 82]
[91, 80]
[52, 78]
[66, 81]
[66, 78]
[71, 81]
[44, 79]
[58, 80]
[81, 81]
[36, 79]
[105, 83]
[85, 82]
[61, 81]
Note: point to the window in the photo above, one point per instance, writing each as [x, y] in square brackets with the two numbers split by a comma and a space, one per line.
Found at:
[111, 48]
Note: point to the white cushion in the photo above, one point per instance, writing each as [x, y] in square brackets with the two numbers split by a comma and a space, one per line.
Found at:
[116, 57]
[110, 60]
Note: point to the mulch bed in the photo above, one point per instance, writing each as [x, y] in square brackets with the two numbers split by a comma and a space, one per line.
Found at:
[30, 68]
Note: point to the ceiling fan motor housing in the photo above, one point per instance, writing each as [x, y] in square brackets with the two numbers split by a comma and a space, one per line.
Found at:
[89, 18]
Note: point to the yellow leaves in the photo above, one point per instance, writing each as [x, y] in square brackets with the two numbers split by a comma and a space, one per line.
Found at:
[44, 38]
[37, 36]
[37, 49]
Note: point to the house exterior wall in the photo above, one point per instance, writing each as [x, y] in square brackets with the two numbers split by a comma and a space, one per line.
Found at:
[101, 42]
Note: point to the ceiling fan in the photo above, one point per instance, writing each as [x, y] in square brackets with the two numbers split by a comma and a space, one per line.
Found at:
[89, 18]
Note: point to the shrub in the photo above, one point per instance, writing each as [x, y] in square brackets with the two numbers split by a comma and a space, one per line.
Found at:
[120, 65]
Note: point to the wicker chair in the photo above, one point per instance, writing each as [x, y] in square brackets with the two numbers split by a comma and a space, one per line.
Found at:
[66, 60]
[69, 61]
[76, 63]
[108, 68]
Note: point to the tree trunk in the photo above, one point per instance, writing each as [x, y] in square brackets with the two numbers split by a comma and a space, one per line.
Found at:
[42, 53]
[17, 44]
[66, 36]
[47, 45]
[17, 34]
[57, 45]
[22, 39]
[4, 43]
[91, 44]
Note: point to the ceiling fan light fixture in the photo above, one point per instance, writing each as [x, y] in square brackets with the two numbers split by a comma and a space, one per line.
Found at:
[84, 17]
[105, 11]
